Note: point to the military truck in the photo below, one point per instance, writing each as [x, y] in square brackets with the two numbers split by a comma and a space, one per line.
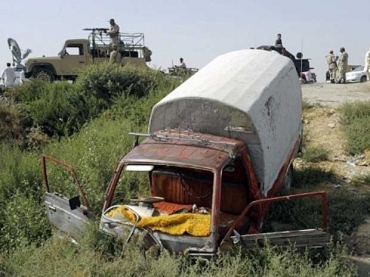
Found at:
[301, 64]
[218, 150]
[78, 53]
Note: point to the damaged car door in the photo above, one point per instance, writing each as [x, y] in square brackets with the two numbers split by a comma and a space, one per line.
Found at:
[67, 214]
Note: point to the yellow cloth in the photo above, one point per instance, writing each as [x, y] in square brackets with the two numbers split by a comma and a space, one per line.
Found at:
[123, 211]
[197, 225]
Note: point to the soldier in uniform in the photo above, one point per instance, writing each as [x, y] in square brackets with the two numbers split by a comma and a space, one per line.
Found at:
[113, 32]
[182, 64]
[279, 41]
[367, 65]
[115, 56]
[342, 65]
[332, 64]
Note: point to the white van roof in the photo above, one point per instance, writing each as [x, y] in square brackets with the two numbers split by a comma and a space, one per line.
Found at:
[251, 95]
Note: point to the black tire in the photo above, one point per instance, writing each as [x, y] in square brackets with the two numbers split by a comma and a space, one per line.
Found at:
[363, 79]
[43, 74]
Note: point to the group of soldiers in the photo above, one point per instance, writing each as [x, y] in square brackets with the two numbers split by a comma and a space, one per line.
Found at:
[337, 66]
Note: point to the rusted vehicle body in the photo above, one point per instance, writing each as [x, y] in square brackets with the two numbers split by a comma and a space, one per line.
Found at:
[218, 150]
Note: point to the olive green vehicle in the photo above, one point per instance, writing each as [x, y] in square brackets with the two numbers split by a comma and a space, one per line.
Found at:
[79, 53]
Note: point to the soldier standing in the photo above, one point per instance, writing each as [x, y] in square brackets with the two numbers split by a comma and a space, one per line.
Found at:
[367, 65]
[342, 65]
[113, 32]
[332, 64]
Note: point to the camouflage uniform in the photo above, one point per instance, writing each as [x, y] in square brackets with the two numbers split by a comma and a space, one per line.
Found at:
[367, 63]
[331, 60]
[115, 57]
[114, 34]
[342, 66]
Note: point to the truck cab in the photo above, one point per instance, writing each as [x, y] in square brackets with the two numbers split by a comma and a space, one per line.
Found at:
[218, 150]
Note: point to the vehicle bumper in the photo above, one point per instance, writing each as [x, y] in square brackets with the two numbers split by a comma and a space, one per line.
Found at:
[352, 80]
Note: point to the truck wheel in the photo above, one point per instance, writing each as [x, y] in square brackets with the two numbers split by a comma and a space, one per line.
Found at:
[43, 74]
[288, 180]
[363, 79]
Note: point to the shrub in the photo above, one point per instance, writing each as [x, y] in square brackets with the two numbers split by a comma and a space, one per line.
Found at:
[314, 154]
[22, 218]
[106, 80]
[10, 124]
[60, 111]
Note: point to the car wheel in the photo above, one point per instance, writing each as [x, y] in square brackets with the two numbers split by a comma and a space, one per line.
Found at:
[363, 79]
[44, 74]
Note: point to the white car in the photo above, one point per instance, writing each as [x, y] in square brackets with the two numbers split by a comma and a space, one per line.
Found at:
[358, 74]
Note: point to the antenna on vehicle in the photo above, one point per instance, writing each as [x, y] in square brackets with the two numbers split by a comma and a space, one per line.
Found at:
[301, 59]
[17, 54]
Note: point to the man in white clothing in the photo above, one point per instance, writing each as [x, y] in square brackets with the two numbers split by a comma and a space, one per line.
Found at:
[8, 76]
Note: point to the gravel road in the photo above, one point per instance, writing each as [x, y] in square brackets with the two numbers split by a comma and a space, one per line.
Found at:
[333, 95]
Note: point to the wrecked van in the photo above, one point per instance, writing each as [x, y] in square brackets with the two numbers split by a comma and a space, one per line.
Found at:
[218, 150]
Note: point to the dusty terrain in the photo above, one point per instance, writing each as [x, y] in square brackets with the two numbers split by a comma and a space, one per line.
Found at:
[332, 95]
[322, 128]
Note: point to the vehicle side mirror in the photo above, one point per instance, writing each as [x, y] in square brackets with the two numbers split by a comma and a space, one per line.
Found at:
[74, 202]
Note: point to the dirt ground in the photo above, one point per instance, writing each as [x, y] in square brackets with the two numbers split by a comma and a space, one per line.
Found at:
[322, 128]
[333, 95]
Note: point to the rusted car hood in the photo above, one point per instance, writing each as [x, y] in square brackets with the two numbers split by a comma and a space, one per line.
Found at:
[192, 153]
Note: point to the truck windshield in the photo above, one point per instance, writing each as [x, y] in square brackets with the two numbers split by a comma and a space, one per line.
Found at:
[180, 188]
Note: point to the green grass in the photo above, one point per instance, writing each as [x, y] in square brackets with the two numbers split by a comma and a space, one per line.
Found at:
[93, 151]
[355, 122]
[361, 179]
[308, 105]
[93, 143]
[314, 154]
[309, 176]
[59, 258]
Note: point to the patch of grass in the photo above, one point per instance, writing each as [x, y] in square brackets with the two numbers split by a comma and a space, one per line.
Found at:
[308, 105]
[357, 135]
[311, 176]
[93, 152]
[355, 121]
[345, 211]
[59, 258]
[10, 124]
[314, 154]
[352, 110]
[362, 179]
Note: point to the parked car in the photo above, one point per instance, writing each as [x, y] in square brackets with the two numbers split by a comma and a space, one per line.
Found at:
[358, 74]
[308, 77]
